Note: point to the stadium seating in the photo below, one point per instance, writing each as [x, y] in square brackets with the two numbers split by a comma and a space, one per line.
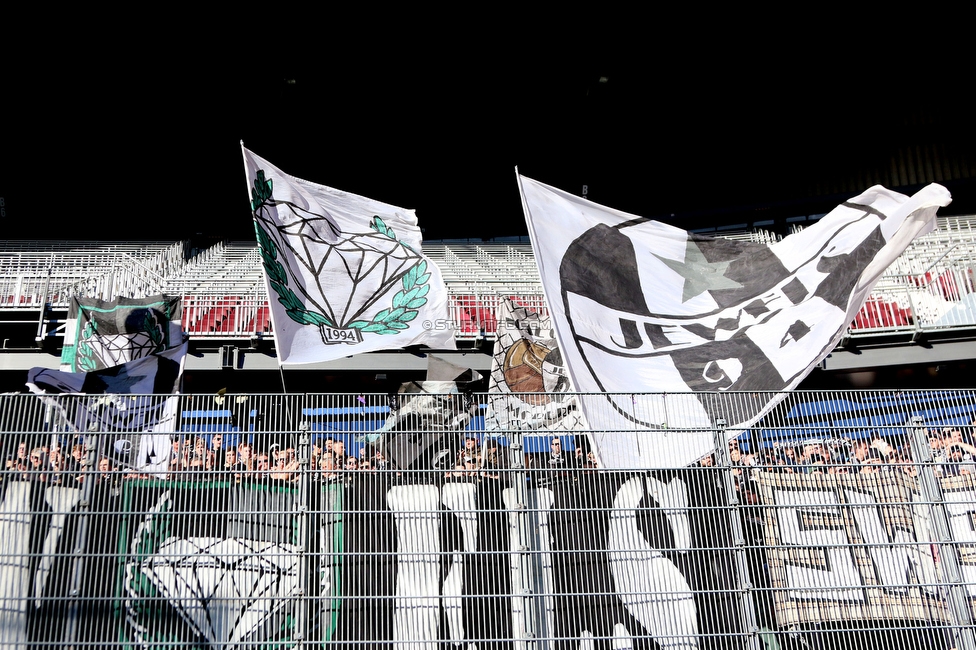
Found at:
[928, 287]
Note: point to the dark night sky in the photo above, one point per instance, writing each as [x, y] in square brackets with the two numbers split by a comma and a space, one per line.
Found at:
[138, 136]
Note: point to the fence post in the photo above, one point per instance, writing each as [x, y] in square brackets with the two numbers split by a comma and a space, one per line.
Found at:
[931, 488]
[302, 513]
[525, 509]
[747, 612]
[90, 472]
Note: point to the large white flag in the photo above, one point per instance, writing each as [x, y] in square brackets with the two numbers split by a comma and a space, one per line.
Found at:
[640, 306]
[345, 273]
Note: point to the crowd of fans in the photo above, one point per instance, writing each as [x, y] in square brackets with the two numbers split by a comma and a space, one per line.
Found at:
[952, 449]
[237, 458]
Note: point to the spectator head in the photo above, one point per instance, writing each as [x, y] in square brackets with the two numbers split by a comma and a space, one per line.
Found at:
[244, 452]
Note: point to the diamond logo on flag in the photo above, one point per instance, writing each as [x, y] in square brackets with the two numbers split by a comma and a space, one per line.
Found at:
[226, 589]
[342, 270]
[374, 264]
[100, 334]
[122, 348]
[642, 307]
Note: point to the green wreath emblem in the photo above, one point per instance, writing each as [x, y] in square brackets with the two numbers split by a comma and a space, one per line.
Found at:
[405, 304]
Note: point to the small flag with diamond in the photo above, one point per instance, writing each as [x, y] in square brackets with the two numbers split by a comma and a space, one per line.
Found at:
[100, 334]
[345, 273]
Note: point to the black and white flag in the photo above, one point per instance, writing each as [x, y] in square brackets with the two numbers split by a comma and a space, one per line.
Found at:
[424, 428]
[617, 560]
[642, 307]
[100, 333]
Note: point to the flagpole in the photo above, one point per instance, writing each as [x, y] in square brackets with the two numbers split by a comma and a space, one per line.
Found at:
[281, 373]
[747, 612]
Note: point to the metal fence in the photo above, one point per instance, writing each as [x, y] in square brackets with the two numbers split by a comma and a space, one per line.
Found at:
[839, 520]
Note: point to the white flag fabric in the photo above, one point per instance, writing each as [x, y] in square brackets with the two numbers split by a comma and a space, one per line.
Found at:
[642, 307]
[528, 384]
[133, 406]
[345, 273]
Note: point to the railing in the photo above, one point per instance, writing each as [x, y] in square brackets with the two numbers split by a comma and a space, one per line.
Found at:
[930, 287]
[841, 520]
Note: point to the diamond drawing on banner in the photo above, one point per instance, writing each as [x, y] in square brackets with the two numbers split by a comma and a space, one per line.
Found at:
[121, 348]
[226, 589]
[342, 270]
[373, 262]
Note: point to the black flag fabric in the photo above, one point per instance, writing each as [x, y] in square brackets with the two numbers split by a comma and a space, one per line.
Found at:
[134, 401]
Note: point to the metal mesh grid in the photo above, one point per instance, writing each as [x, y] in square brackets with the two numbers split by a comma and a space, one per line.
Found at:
[840, 520]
